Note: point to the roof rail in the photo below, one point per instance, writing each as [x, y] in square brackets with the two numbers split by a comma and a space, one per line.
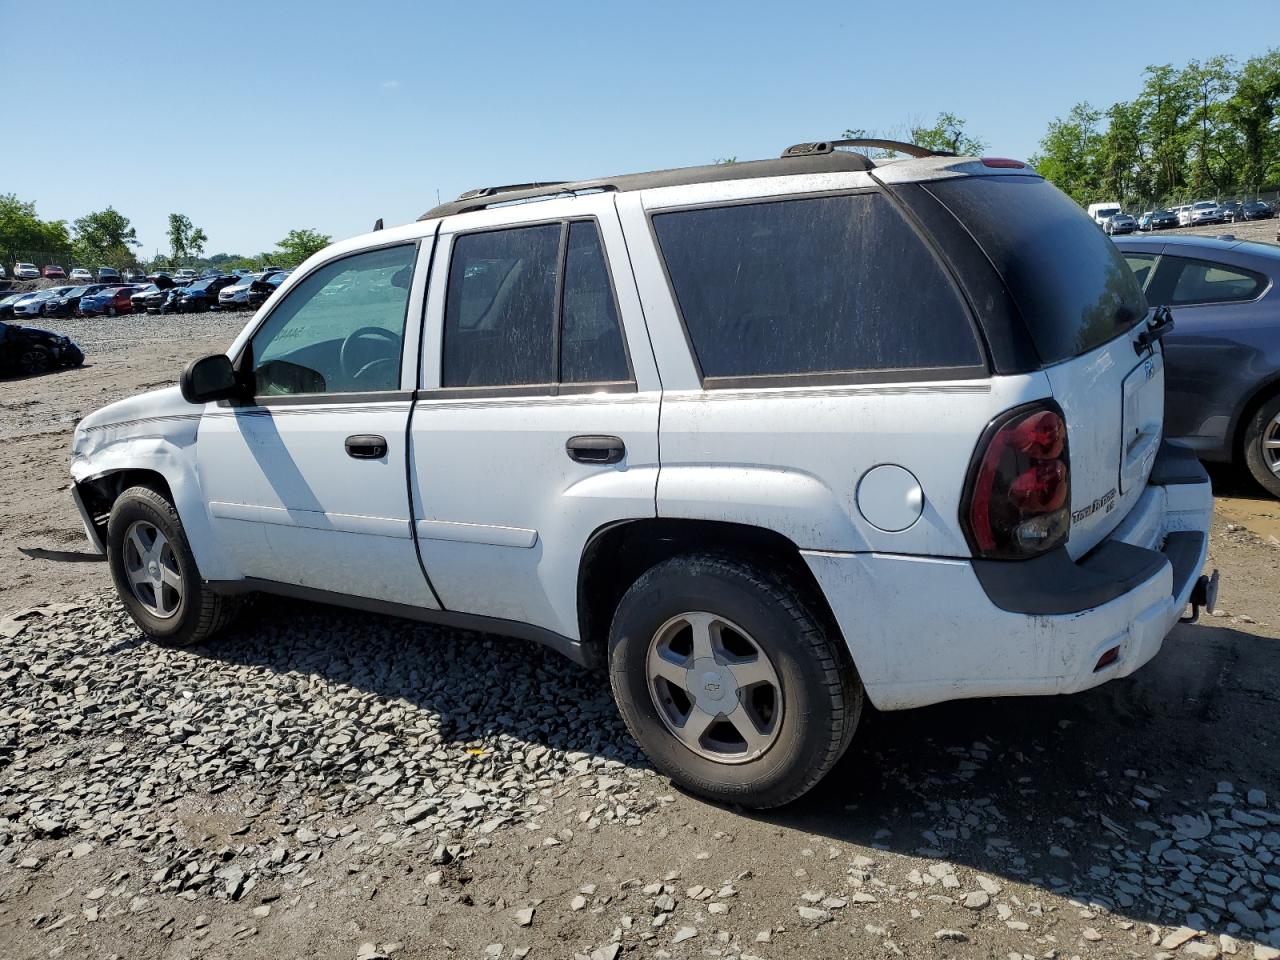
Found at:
[507, 188]
[827, 146]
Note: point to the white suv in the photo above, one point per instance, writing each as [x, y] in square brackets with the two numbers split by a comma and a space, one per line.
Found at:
[766, 438]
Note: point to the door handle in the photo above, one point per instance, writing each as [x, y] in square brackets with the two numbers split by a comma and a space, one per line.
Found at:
[367, 446]
[595, 449]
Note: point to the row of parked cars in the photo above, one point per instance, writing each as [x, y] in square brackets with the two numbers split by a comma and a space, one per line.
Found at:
[1114, 221]
[163, 294]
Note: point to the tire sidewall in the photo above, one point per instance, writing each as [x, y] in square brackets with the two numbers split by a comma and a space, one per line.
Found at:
[1253, 456]
[728, 591]
[141, 504]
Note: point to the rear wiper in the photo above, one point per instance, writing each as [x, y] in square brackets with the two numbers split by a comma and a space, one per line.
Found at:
[1161, 322]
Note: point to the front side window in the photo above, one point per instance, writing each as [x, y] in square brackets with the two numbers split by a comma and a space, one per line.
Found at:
[827, 284]
[1202, 281]
[340, 330]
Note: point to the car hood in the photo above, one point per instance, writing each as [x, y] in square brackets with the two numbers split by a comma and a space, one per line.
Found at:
[35, 333]
[166, 401]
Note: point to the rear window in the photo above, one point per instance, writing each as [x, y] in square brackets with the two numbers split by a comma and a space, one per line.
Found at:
[820, 285]
[1072, 286]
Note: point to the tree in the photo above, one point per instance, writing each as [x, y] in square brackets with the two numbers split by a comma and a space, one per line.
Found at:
[1250, 113]
[104, 237]
[1069, 153]
[185, 239]
[22, 230]
[1209, 83]
[1163, 106]
[947, 133]
[300, 244]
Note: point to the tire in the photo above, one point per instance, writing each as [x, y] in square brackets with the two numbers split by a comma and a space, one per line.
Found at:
[1264, 427]
[819, 694]
[198, 613]
[35, 360]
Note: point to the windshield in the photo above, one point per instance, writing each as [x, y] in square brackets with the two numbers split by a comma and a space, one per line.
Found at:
[1204, 205]
[1070, 282]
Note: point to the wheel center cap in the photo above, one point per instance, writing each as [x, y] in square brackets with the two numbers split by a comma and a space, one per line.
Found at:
[711, 685]
[153, 569]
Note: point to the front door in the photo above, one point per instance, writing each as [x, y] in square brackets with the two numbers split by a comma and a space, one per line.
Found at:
[538, 421]
[306, 483]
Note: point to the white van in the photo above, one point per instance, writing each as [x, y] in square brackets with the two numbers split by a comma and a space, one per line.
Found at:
[1100, 213]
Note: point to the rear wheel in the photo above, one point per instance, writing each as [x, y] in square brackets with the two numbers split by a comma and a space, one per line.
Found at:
[730, 681]
[1262, 445]
[155, 573]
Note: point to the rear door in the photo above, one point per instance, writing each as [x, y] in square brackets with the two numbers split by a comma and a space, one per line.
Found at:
[537, 424]
[1083, 309]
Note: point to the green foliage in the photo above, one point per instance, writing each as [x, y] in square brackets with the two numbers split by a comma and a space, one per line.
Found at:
[1205, 130]
[186, 240]
[300, 244]
[947, 134]
[105, 238]
[23, 232]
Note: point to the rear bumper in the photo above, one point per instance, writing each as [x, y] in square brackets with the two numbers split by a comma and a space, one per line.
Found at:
[923, 630]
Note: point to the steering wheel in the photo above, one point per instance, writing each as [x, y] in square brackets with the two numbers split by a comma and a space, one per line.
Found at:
[346, 355]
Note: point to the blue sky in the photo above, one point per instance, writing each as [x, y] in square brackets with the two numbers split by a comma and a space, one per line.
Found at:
[255, 118]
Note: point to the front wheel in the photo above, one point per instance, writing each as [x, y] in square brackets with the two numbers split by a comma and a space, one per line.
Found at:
[1262, 445]
[155, 572]
[34, 360]
[730, 681]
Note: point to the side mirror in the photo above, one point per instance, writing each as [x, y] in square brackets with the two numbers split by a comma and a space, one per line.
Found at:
[210, 378]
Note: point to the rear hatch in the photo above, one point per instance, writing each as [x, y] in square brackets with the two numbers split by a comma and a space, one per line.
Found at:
[1084, 311]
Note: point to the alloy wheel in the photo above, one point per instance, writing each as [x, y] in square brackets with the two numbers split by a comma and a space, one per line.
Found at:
[152, 569]
[714, 687]
[1271, 445]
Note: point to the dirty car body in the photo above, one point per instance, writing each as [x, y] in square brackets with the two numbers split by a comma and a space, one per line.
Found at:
[885, 406]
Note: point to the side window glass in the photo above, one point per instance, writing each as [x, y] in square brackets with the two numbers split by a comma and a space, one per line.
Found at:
[340, 330]
[1201, 281]
[591, 348]
[500, 310]
[1141, 264]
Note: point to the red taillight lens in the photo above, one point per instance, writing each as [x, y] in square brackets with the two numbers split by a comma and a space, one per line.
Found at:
[1019, 488]
[1002, 163]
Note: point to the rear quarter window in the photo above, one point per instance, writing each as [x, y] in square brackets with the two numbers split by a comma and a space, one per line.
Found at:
[837, 286]
[1071, 284]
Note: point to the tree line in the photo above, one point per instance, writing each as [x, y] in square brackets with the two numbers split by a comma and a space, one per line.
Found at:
[107, 238]
[1205, 130]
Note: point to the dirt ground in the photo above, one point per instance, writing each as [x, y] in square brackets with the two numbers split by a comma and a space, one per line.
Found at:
[1033, 807]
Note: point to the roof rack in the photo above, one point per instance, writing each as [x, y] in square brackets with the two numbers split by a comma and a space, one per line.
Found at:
[508, 188]
[828, 146]
[817, 158]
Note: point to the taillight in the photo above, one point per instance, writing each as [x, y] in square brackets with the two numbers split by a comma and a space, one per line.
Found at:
[1018, 494]
[1002, 163]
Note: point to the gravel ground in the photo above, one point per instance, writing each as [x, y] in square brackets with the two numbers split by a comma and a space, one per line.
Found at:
[326, 784]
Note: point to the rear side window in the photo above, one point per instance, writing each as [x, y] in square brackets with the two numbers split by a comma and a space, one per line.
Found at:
[812, 286]
[514, 294]
[501, 307]
[1141, 264]
[1071, 284]
[1202, 281]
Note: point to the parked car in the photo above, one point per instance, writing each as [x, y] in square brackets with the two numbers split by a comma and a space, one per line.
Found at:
[81, 274]
[185, 275]
[1250, 210]
[264, 287]
[2, 273]
[7, 302]
[1120, 223]
[26, 271]
[53, 272]
[110, 300]
[134, 275]
[1157, 220]
[68, 304]
[138, 299]
[32, 305]
[202, 294]
[1223, 356]
[28, 351]
[1199, 213]
[748, 603]
[109, 275]
[236, 296]
[1102, 212]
